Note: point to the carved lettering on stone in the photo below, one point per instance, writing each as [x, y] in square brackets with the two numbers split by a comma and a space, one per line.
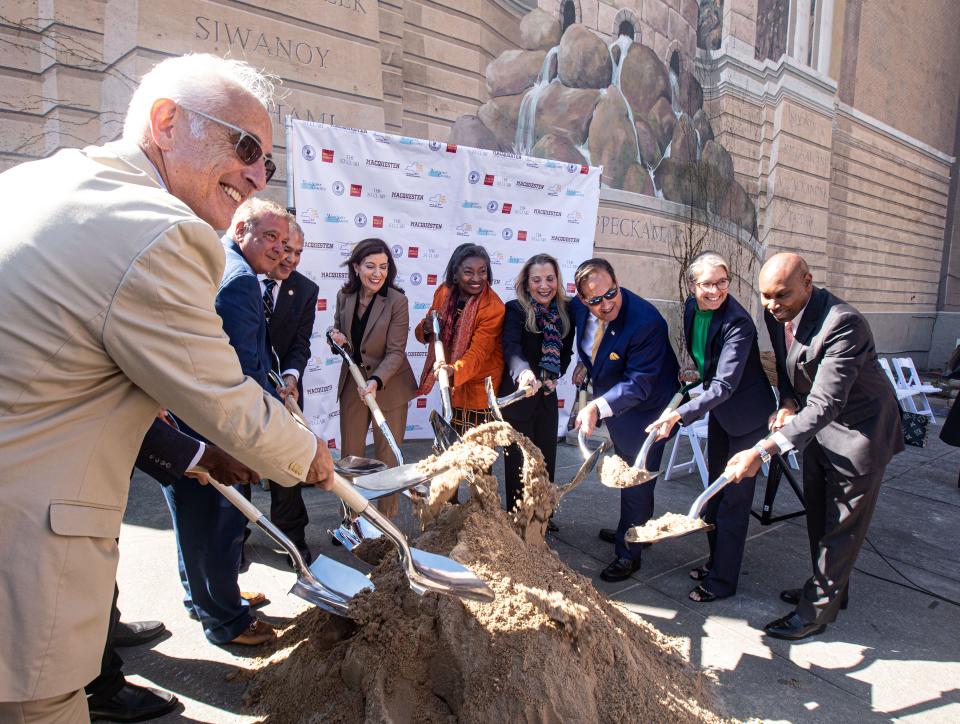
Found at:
[254, 41]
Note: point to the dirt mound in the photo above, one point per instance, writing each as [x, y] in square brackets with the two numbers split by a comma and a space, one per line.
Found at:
[549, 649]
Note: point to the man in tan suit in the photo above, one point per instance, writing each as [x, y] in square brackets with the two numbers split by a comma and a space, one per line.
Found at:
[108, 271]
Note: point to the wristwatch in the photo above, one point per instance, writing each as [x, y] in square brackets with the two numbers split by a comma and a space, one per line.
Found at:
[764, 455]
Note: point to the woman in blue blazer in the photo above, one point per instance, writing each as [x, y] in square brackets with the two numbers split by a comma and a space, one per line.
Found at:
[722, 340]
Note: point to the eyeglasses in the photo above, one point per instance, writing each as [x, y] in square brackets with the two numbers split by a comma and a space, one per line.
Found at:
[246, 145]
[721, 285]
[609, 294]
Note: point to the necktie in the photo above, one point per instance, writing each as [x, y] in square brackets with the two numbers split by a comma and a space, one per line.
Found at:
[788, 333]
[597, 338]
[269, 286]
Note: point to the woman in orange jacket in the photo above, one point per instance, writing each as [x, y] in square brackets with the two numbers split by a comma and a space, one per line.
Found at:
[471, 321]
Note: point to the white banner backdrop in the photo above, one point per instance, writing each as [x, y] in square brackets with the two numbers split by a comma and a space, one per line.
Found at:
[424, 198]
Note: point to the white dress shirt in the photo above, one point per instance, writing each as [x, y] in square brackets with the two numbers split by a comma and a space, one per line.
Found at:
[589, 332]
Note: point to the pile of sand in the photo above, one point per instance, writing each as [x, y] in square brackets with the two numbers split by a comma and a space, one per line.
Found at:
[549, 649]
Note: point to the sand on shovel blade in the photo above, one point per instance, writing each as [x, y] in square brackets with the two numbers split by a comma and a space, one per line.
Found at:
[549, 649]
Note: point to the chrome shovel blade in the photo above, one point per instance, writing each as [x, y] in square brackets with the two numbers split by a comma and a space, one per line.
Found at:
[394, 480]
[353, 466]
[444, 575]
[585, 469]
[339, 579]
[444, 433]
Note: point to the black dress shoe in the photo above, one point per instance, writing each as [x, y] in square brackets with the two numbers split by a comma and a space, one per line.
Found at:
[620, 570]
[792, 596]
[792, 628]
[133, 703]
[608, 535]
[136, 633]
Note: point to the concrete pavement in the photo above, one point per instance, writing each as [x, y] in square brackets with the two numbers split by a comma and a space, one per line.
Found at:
[894, 654]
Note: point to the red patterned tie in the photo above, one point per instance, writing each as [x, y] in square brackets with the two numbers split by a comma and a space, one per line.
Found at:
[788, 331]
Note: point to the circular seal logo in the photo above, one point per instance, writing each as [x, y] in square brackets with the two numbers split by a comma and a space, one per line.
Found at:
[338, 188]
[397, 251]
[572, 167]
[435, 145]
[473, 177]
[309, 153]
[416, 279]
[360, 220]
[492, 206]
[507, 234]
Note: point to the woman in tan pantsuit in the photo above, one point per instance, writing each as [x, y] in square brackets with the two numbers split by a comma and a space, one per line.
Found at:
[371, 322]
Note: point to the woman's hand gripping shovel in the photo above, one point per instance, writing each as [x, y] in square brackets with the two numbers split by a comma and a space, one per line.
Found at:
[425, 571]
[674, 525]
[443, 432]
[325, 582]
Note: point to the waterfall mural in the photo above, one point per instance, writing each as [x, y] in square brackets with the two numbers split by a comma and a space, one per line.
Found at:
[573, 97]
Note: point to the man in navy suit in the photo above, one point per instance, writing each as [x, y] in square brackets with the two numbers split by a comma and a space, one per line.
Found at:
[291, 302]
[625, 351]
[210, 531]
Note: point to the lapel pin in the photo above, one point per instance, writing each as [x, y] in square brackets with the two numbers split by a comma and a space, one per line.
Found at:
[290, 292]
[614, 356]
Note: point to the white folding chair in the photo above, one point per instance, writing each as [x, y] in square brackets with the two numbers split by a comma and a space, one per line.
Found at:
[696, 435]
[903, 393]
[909, 379]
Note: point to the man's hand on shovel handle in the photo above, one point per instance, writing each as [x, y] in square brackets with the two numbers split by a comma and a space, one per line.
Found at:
[224, 468]
[321, 469]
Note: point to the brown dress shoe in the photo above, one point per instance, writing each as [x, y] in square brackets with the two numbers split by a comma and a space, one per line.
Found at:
[258, 632]
[253, 598]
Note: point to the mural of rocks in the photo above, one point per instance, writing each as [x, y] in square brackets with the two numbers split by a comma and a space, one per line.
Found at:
[572, 98]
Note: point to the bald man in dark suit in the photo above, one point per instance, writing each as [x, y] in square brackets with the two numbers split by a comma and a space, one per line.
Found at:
[837, 405]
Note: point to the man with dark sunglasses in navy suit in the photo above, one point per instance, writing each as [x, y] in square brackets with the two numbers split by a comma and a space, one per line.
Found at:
[624, 349]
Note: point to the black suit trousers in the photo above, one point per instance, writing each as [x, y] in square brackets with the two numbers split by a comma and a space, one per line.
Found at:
[839, 510]
[541, 427]
[110, 679]
[728, 510]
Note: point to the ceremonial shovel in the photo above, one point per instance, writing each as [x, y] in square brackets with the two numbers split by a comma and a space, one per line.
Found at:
[505, 401]
[640, 464]
[444, 433]
[325, 583]
[425, 571]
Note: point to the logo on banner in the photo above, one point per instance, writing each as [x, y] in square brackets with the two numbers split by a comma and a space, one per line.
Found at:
[516, 260]
[406, 197]
[377, 222]
[574, 193]
[426, 225]
[464, 229]
[437, 173]
[521, 210]
[485, 232]
[554, 190]
[497, 257]
[572, 167]
[547, 212]
[529, 185]
[507, 234]
[431, 280]
[382, 164]
[309, 153]
[375, 193]
[451, 148]
[414, 170]
[488, 179]
[326, 155]
[565, 239]
[397, 251]
[435, 145]
[345, 249]
[349, 160]
[335, 219]
[332, 443]
[506, 208]
[571, 288]
[360, 220]
[396, 223]
[319, 390]
[381, 138]
[333, 275]
[470, 205]
[473, 177]
[437, 201]
[312, 186]
[552, 164]
[338, 188]
[421, 305]
[318, 245]
[413, 252]
[407, 141]
[508, 285]
[356, 189]
[574, 217]
[522, 235]
[309, 216]
[492, 206]
[321, 305]
[560, 403]
[416, 279]
[421, 403]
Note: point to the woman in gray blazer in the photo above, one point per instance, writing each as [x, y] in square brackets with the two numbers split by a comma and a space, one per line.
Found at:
[371, 322]
[722, 340]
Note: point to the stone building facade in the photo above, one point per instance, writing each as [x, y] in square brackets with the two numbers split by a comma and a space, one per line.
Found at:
[840, 116]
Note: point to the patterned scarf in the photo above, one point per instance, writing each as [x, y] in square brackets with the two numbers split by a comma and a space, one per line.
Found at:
[548, 321]
[456, 331]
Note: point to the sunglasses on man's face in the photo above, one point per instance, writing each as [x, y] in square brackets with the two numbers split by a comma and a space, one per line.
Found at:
[245, 144]
[608, 295]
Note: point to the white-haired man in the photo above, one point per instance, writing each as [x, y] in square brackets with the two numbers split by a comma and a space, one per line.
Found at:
[108, 273]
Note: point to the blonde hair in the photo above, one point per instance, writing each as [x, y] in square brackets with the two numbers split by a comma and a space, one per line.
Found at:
[523, 295]
[198, 81]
